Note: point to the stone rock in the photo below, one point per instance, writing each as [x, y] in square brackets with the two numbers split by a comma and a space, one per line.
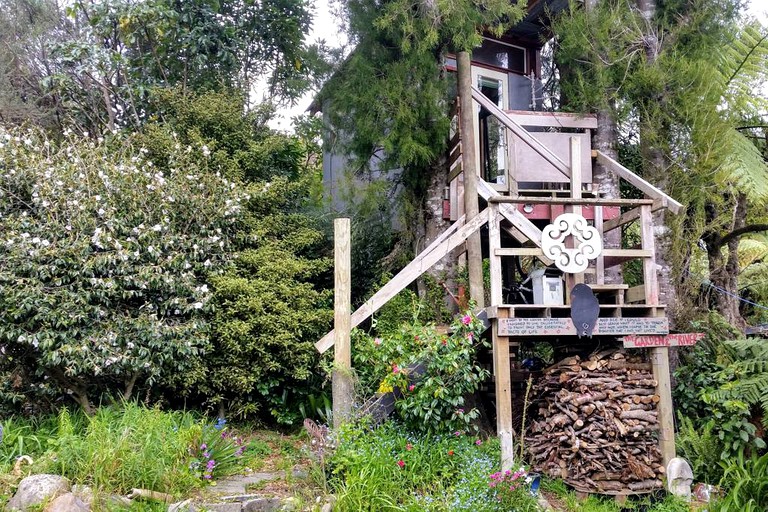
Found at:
[182, 506]
[83, 492]
[289, 505]
[36, 489]
[67, 503]
[679, 478]
[222, 507]
[263, 505]
[330, 501]
[111, 501]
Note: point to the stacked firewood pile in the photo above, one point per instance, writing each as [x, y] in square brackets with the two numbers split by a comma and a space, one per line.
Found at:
[597, 424]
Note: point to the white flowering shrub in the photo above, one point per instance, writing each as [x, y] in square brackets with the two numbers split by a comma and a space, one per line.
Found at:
[104, 262]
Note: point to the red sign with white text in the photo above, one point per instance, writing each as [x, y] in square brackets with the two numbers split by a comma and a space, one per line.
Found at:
[670, 340]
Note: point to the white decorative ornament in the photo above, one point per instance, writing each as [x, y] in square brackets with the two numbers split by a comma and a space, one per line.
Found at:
[587, 244]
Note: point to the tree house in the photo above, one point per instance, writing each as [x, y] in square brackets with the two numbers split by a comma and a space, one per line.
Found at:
[539, 201]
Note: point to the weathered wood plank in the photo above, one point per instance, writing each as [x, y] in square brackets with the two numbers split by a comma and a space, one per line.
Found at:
[520, 132]
[630, 216]
[648, 242]
[343, 387]
[564, 326]
[553, 119]
[514, 217]
[494, 242]
[636, 294]
[608, 253]
[638, 182]
[533, 168]
[660, 364]
[581, 201]
[434, 253]
[670, 340]
[503, 383]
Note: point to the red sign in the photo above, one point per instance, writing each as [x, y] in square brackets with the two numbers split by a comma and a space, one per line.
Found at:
[670, 340]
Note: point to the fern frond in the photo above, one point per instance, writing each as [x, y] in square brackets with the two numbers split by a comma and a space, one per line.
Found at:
[743, 165]
[744, 68]
[752, 249]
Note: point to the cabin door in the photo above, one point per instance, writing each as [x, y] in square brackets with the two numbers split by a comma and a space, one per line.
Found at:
[490, 136]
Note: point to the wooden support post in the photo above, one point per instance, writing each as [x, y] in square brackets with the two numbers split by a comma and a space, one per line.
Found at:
[575, 163]
[659, 355]
[469, 164]
[648, 243]
[343, 389]
[600, 260]
[494, 242]
[442, 245]
[572, 280]
[660, 363]
[502, 375]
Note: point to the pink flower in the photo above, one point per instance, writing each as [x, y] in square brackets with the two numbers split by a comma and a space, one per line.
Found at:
[466, 320]
[377, 341]
[411, 387]
[478, 442]
[470, 337]
[408, 447]
[401, 463]
[395, 369]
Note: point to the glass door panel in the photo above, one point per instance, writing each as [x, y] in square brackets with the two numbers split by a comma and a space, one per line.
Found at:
[490, 135]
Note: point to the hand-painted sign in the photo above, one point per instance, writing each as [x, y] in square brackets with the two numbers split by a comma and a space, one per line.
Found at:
[670, 340]
[564, 326]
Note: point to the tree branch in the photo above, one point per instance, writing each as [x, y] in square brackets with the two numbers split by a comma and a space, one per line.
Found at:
[736, 233]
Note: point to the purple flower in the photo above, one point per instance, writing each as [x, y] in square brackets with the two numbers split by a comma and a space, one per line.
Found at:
[203, 446]
[211, 464]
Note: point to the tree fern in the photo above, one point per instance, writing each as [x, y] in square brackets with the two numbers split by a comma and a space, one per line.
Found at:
[750, 370]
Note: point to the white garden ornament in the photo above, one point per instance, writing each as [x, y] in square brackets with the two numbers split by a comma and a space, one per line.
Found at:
[586, 243]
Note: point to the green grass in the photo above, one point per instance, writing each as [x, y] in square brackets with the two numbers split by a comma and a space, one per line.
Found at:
[437, 473]
[128, 446]
[570, 502]
[443, 474]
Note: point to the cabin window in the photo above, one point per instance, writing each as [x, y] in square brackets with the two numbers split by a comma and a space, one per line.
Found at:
[501, 55]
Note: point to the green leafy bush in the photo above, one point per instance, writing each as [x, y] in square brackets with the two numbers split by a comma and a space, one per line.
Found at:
[272, 303]
[512, 492]
[432, 372]
[702, 447]
[216, 451]
[105, 261]
[712, 398]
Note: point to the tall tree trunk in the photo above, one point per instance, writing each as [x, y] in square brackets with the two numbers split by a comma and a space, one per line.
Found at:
[655, 162]
[604, 140]
[724, 265]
